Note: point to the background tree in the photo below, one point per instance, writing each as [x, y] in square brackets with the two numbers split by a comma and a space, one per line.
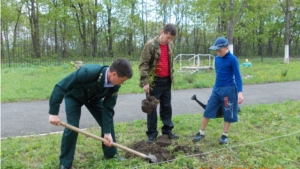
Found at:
[88, 29]
[33, 12]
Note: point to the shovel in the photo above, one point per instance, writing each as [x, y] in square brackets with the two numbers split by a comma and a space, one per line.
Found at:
[150, 157]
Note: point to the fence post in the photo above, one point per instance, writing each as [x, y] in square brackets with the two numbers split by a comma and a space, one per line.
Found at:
[9, 61]
[58, 58]
[102, 55]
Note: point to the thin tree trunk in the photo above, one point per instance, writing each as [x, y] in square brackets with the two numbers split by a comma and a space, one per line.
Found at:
[94, 35]
[222, 24]
[64, 49]
[80, 17]
[83, 33]
[55, 29]
[109, 38]
[5, 31]
[144, 22]
[165, 13]
[297, 45]
[130, 35]
[260, 45]
[2, 40]
[34, 23]
[270, 49]
[95, 45]
[15, 30]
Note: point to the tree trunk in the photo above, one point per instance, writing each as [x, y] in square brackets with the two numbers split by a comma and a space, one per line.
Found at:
[165, 13]
[55, 30]
[83, 33]
[297, 45]
[64, 48]
[270, 48]
[222, 24]
[144, 22]
[94, 37]
[109, 38]
[15, 30]
[34, 24]
[232, 22]
[130, 35]
[80, 17]
[260, 43]
[2, 40]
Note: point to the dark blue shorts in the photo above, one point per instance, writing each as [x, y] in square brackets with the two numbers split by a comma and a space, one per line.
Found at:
[225, 96]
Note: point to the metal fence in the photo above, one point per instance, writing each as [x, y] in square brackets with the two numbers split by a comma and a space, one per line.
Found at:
[22, 55]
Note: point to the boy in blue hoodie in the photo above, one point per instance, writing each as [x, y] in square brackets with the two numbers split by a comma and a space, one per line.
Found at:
[227, 91]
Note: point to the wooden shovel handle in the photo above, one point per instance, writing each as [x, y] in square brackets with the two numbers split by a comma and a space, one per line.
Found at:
[102, 139]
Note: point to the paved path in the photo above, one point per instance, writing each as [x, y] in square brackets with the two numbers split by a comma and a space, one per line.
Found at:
[27, 118]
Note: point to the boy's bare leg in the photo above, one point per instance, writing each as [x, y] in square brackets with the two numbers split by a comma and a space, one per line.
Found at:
[224, 137]
[200, 135]
[204, 123]
[226, 127]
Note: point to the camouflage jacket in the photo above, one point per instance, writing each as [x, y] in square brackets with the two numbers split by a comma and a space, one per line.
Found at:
[149, 59]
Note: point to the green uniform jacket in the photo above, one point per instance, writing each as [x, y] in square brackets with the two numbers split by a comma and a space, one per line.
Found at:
[149, 59]
[87, 85]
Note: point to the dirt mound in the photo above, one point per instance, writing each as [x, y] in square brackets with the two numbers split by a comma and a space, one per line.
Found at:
[158, 149]
[163, 141]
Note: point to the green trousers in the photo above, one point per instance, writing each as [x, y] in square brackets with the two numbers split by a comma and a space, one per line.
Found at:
[69, 138]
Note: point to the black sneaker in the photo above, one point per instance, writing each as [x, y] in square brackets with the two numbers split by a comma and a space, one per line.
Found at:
[223, 140]
[198, 137]
[151, 139]
[172, 136]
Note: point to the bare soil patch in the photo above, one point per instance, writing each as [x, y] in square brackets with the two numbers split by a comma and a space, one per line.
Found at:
[160, 148]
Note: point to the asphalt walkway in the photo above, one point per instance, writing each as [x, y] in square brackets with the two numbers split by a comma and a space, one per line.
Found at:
[28, 118]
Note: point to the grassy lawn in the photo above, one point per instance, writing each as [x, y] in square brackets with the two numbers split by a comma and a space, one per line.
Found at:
[36, 83]
[266, 136]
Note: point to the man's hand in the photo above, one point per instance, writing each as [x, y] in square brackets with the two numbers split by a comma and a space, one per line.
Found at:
[240, 98]
[109, 140]
[146, 88]
[54, 119]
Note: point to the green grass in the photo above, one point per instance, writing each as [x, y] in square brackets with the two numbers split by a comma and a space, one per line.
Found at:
[266, 136]
[36, 83]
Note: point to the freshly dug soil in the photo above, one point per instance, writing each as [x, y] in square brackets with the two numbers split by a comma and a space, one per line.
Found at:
[158, 149]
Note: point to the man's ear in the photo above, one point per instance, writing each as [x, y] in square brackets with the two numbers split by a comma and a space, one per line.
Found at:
[114, 73]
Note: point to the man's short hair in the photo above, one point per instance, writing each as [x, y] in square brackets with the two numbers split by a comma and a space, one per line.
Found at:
[170, 28]
[122, 67]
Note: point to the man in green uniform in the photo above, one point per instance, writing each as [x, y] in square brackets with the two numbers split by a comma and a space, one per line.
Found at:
[97, 88]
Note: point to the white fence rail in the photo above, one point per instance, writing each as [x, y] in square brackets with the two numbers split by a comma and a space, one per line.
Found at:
[193, 62]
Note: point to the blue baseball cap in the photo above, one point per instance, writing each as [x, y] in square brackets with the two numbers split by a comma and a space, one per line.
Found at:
[219, 43]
